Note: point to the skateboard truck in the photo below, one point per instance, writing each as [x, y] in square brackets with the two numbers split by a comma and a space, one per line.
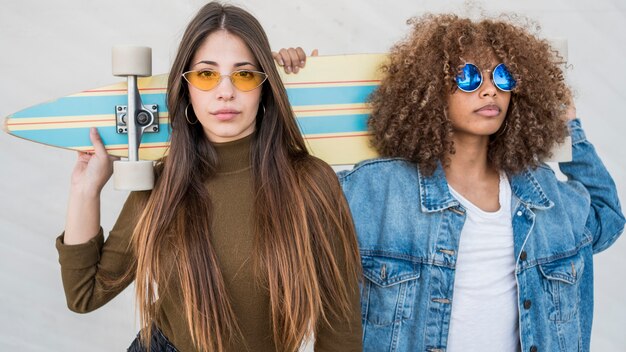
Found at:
[148, 120]
[135, 118]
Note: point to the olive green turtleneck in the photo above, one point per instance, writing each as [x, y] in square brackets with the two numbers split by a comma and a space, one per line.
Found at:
[83, 265]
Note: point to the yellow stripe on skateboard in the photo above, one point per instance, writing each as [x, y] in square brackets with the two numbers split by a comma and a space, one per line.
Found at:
[334, 69]
[341, 149]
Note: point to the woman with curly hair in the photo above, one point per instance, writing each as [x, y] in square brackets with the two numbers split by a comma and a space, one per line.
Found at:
[468, 241]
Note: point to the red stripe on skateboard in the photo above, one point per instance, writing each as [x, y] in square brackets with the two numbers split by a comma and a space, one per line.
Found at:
[333, 109]
[287, 84]
[124, 148]
[334, 82]
[340, 136]
[118, 90]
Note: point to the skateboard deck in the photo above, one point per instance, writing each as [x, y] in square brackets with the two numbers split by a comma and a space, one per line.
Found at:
[328, 96]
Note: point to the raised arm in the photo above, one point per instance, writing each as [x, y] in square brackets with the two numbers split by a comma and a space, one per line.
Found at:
[91, 173]
[605, 221]
[94, 270]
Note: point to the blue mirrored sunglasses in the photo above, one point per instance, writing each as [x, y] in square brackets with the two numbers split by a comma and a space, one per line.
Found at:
[470, 78]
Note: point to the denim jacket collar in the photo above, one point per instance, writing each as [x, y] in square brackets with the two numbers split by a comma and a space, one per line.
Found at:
[435, 194]
[528, 190]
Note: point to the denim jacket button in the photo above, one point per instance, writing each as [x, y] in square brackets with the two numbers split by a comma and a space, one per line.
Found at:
[523, 255]
[533, 349]
[519, 213]
[527, 304]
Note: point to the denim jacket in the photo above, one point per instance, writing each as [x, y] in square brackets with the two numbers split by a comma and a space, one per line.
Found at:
[408, 228]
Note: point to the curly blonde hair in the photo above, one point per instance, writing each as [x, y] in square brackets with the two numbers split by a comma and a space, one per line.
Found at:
[409, 116]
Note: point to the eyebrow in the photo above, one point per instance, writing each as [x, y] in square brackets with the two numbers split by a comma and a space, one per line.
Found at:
[238, 64]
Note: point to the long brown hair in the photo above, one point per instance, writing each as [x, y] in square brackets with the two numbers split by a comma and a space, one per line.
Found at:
[409, 110]
[301, 221]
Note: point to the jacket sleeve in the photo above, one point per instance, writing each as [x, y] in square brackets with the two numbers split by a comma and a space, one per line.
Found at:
[93, 272]
[605, 221]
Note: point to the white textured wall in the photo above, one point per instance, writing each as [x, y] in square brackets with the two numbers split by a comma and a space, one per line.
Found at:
[49, 49]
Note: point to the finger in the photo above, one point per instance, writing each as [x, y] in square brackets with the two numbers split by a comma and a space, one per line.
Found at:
[96, 141]
[83, 157]
[278, 58]
[314, 52]
[286, 58]
[294, 60]
[301, 57]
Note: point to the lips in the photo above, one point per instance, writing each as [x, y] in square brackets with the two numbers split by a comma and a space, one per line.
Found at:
[225, 114]
[489, 110]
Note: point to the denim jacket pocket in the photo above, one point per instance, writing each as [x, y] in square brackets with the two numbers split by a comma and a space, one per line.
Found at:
[388, 291]
[562, 286]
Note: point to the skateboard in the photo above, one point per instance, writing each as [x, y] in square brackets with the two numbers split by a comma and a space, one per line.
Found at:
[328, 97]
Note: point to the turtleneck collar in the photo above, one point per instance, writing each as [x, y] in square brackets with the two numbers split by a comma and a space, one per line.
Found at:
[234, 156]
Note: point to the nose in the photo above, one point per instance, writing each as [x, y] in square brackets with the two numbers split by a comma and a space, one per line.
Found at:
[488, 88]
[225, 89]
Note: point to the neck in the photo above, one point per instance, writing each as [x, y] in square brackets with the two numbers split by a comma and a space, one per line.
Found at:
[470, 157]
[234, 155]
[470, 174]
[469, 164]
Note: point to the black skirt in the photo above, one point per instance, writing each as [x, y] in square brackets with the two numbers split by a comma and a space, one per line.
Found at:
[158, 343]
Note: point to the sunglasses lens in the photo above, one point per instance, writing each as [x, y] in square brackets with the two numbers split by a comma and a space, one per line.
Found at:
[503, 79]
[469, 79]
[247, 80]
[243, 80]
[203, 80]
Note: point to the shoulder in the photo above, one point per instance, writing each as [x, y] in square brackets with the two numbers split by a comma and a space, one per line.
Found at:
[136, 202]
[315, 176]
[311, 167]
[378, 169]
[555, 189]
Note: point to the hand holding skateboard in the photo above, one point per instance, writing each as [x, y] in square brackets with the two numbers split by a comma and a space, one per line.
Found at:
[292, 59]
[93, 170]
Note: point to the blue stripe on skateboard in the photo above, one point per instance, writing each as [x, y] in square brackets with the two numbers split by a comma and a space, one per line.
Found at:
[100, 105]
[79, 137]
[87, 105]
[329, 95]
[333, 124]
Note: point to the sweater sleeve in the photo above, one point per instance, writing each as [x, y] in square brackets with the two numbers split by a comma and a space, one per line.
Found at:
[93, 272]
[340, 333]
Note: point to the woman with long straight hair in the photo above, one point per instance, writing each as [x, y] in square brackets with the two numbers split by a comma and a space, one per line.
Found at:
[246, 242]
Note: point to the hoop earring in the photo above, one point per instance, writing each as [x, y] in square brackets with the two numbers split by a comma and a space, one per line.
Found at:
[263, 106]
[187, 117]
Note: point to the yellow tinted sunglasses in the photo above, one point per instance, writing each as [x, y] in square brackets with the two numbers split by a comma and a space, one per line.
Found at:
[243, 80]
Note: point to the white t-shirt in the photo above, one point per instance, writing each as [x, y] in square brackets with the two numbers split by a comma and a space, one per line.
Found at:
[484, 306]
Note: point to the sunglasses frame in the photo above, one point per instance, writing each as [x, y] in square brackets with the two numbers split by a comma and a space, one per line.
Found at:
[482, 78]
[221, 76]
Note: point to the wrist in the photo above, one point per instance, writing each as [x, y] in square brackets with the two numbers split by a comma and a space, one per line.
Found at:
[84, 193]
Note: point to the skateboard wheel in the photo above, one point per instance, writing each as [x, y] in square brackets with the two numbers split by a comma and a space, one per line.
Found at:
[132, 61]
[133, 175]
[560, 46]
